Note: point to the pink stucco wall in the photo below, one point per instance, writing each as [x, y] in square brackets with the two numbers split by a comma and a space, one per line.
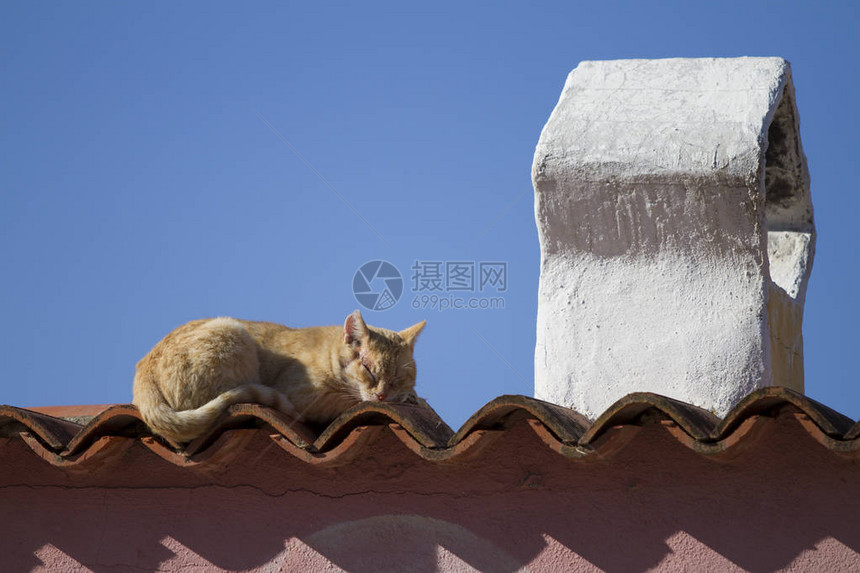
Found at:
[786, 503]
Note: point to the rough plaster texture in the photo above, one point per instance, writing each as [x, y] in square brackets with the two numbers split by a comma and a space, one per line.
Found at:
[784, 502]
[675, 221]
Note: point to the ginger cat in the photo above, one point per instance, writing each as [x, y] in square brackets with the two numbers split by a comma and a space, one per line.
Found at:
[194, 373]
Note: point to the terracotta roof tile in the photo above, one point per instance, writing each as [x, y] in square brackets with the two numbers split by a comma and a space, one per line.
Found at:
[767, 400]
[696, 422]
[82, 447]
[565, 424]
[54, 432]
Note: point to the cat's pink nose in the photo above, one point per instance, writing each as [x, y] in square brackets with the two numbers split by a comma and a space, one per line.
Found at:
[381, 397]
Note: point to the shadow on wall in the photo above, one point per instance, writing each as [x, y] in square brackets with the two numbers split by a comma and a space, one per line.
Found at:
[401, 543]
[785, 501]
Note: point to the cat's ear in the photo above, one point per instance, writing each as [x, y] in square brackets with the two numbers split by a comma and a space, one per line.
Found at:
[410, 334]
[354, 328]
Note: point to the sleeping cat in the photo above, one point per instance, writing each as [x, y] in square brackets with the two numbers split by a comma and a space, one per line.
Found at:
[194, 373]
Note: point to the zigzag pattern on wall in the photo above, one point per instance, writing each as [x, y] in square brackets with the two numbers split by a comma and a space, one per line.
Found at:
[105, 437]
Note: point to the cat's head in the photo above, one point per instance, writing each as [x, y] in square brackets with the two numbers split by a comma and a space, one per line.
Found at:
[381, 366]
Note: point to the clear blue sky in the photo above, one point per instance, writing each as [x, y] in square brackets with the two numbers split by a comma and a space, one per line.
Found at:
[142, 185]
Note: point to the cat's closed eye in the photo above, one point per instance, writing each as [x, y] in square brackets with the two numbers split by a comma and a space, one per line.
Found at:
[368, 367]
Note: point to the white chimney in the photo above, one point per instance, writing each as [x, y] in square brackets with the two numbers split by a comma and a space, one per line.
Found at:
[675, 221]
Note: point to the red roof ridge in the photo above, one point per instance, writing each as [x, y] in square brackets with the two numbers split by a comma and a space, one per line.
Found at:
[113, 428]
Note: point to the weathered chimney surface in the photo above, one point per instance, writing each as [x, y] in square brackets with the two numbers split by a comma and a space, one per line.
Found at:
[675, 221]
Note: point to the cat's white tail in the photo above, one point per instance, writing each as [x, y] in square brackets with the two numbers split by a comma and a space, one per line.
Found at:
[185, 425]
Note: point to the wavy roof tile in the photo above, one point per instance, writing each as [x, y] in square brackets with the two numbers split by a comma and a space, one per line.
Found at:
[80, 438]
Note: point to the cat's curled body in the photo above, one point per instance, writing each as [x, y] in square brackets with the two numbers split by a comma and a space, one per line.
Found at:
[199, 369]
